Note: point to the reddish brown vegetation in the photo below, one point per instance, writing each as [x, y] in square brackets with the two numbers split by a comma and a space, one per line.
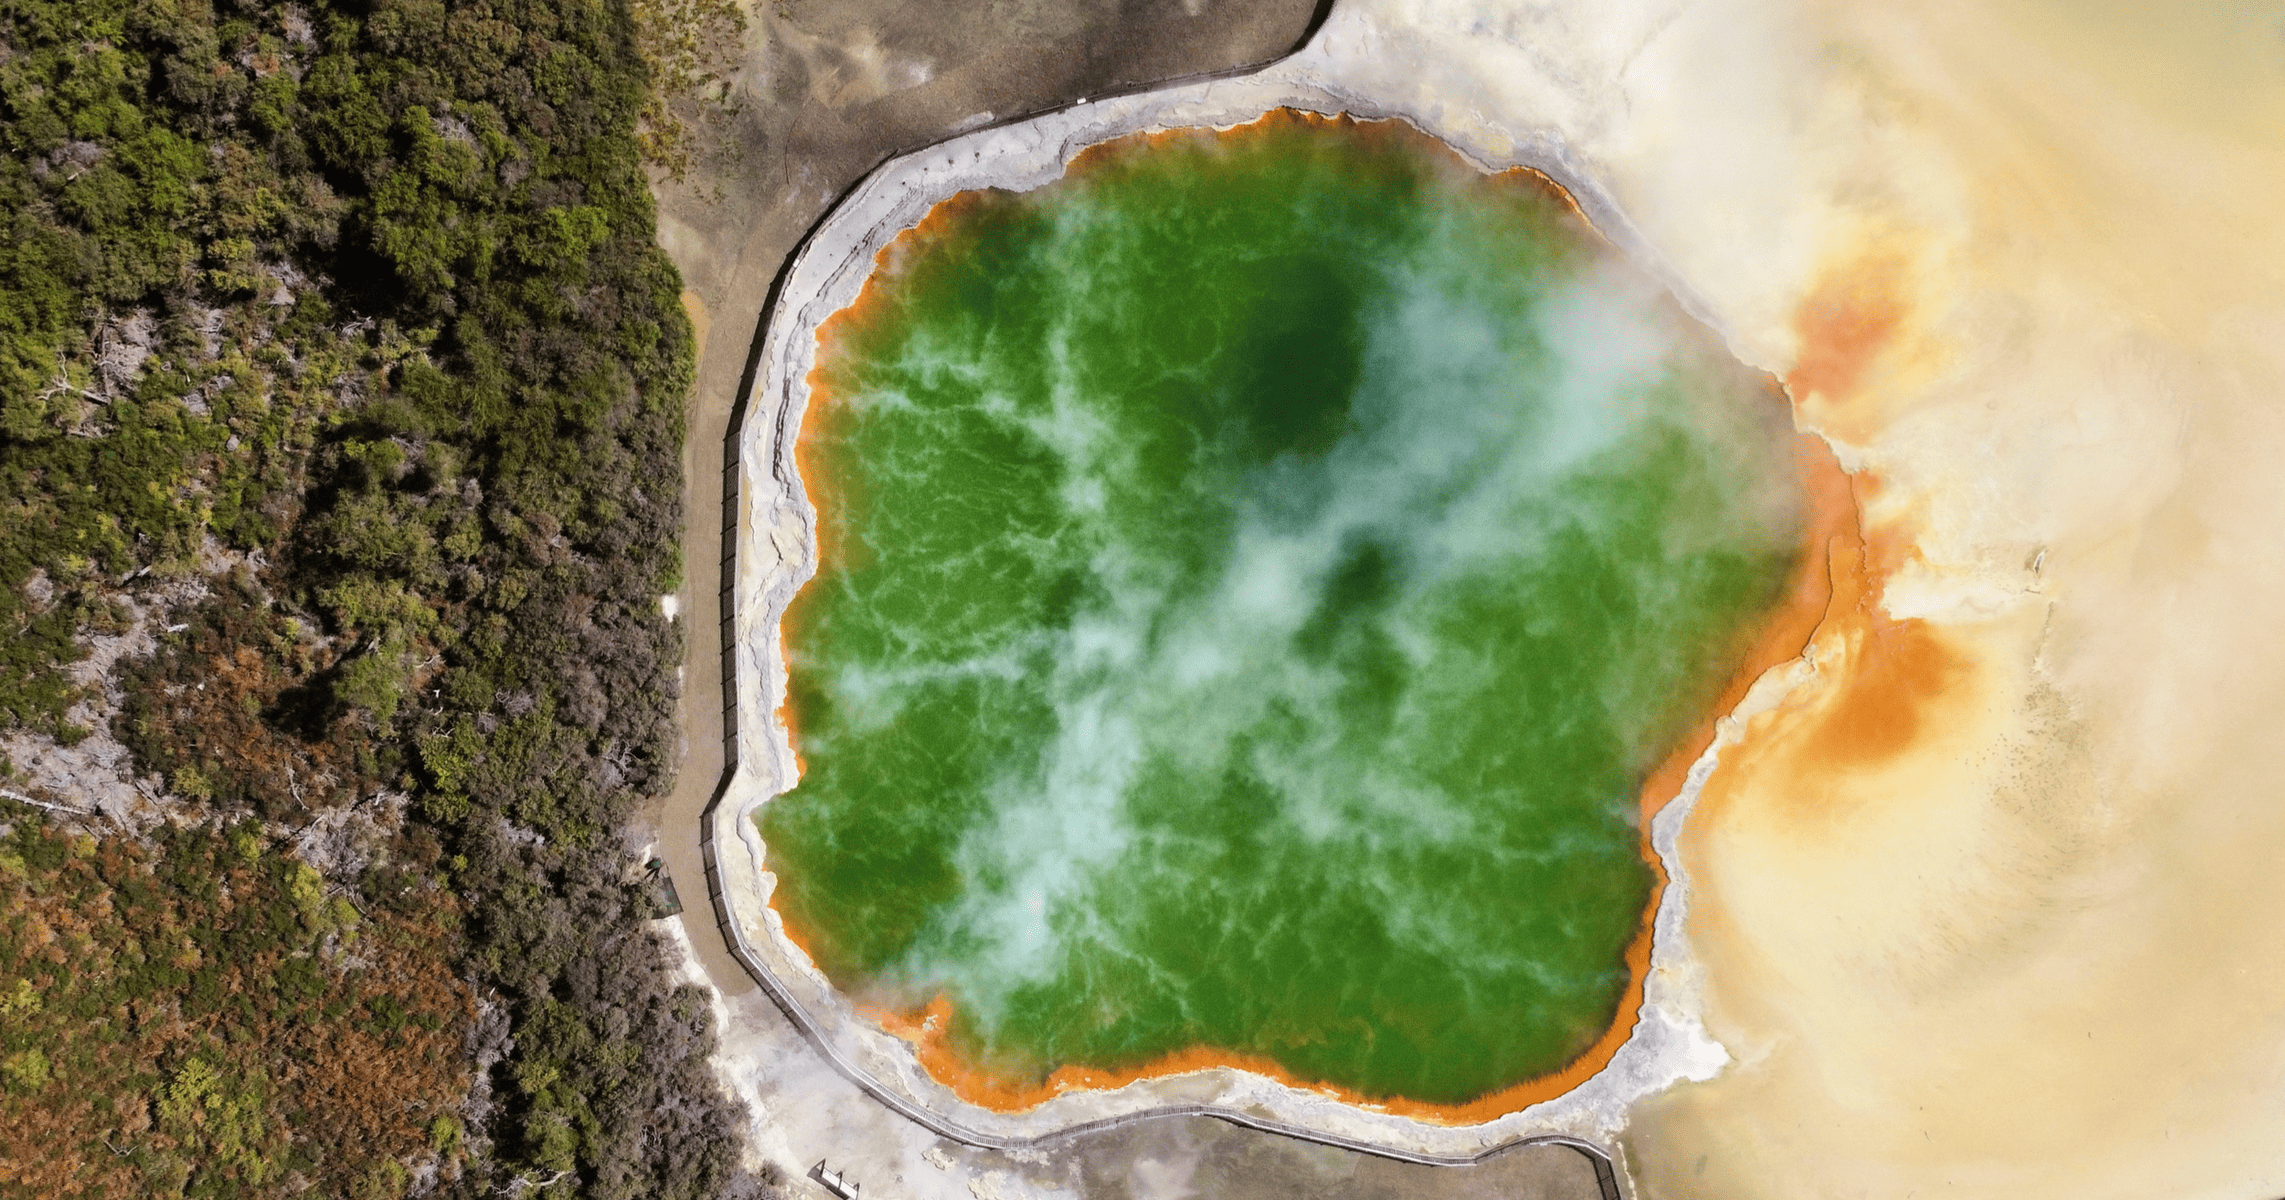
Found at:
[203, 1018]
[237, 712]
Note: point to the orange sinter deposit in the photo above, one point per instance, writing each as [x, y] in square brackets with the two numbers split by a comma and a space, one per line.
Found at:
[1828, 591]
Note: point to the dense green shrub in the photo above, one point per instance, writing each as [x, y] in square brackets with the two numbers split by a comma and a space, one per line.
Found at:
[204, 1016]
[362, 298]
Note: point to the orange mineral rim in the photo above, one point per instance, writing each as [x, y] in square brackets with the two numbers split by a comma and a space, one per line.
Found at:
[1830, 573]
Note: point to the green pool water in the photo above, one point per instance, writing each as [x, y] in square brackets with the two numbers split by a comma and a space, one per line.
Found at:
[1258, 574]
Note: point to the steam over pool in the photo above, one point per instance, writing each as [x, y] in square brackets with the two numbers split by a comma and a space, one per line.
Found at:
[1257, 574]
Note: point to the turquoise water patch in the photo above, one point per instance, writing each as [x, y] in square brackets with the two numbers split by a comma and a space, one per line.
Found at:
[1258, 574]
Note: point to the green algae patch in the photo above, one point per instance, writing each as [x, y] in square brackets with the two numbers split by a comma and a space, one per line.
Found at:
[1257, 573]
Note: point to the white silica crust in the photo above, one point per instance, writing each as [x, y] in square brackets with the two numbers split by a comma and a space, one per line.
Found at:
[776, 554]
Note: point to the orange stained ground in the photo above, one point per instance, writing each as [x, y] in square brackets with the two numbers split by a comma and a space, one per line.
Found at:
[1831, 584]
[1886, 675]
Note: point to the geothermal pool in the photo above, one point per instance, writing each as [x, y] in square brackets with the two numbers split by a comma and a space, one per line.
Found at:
[1257, 575]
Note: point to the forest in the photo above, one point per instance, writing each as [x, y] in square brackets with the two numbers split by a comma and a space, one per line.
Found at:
[341, 379]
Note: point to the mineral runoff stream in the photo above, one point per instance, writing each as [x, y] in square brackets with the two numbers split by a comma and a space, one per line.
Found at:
[1266, 579]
